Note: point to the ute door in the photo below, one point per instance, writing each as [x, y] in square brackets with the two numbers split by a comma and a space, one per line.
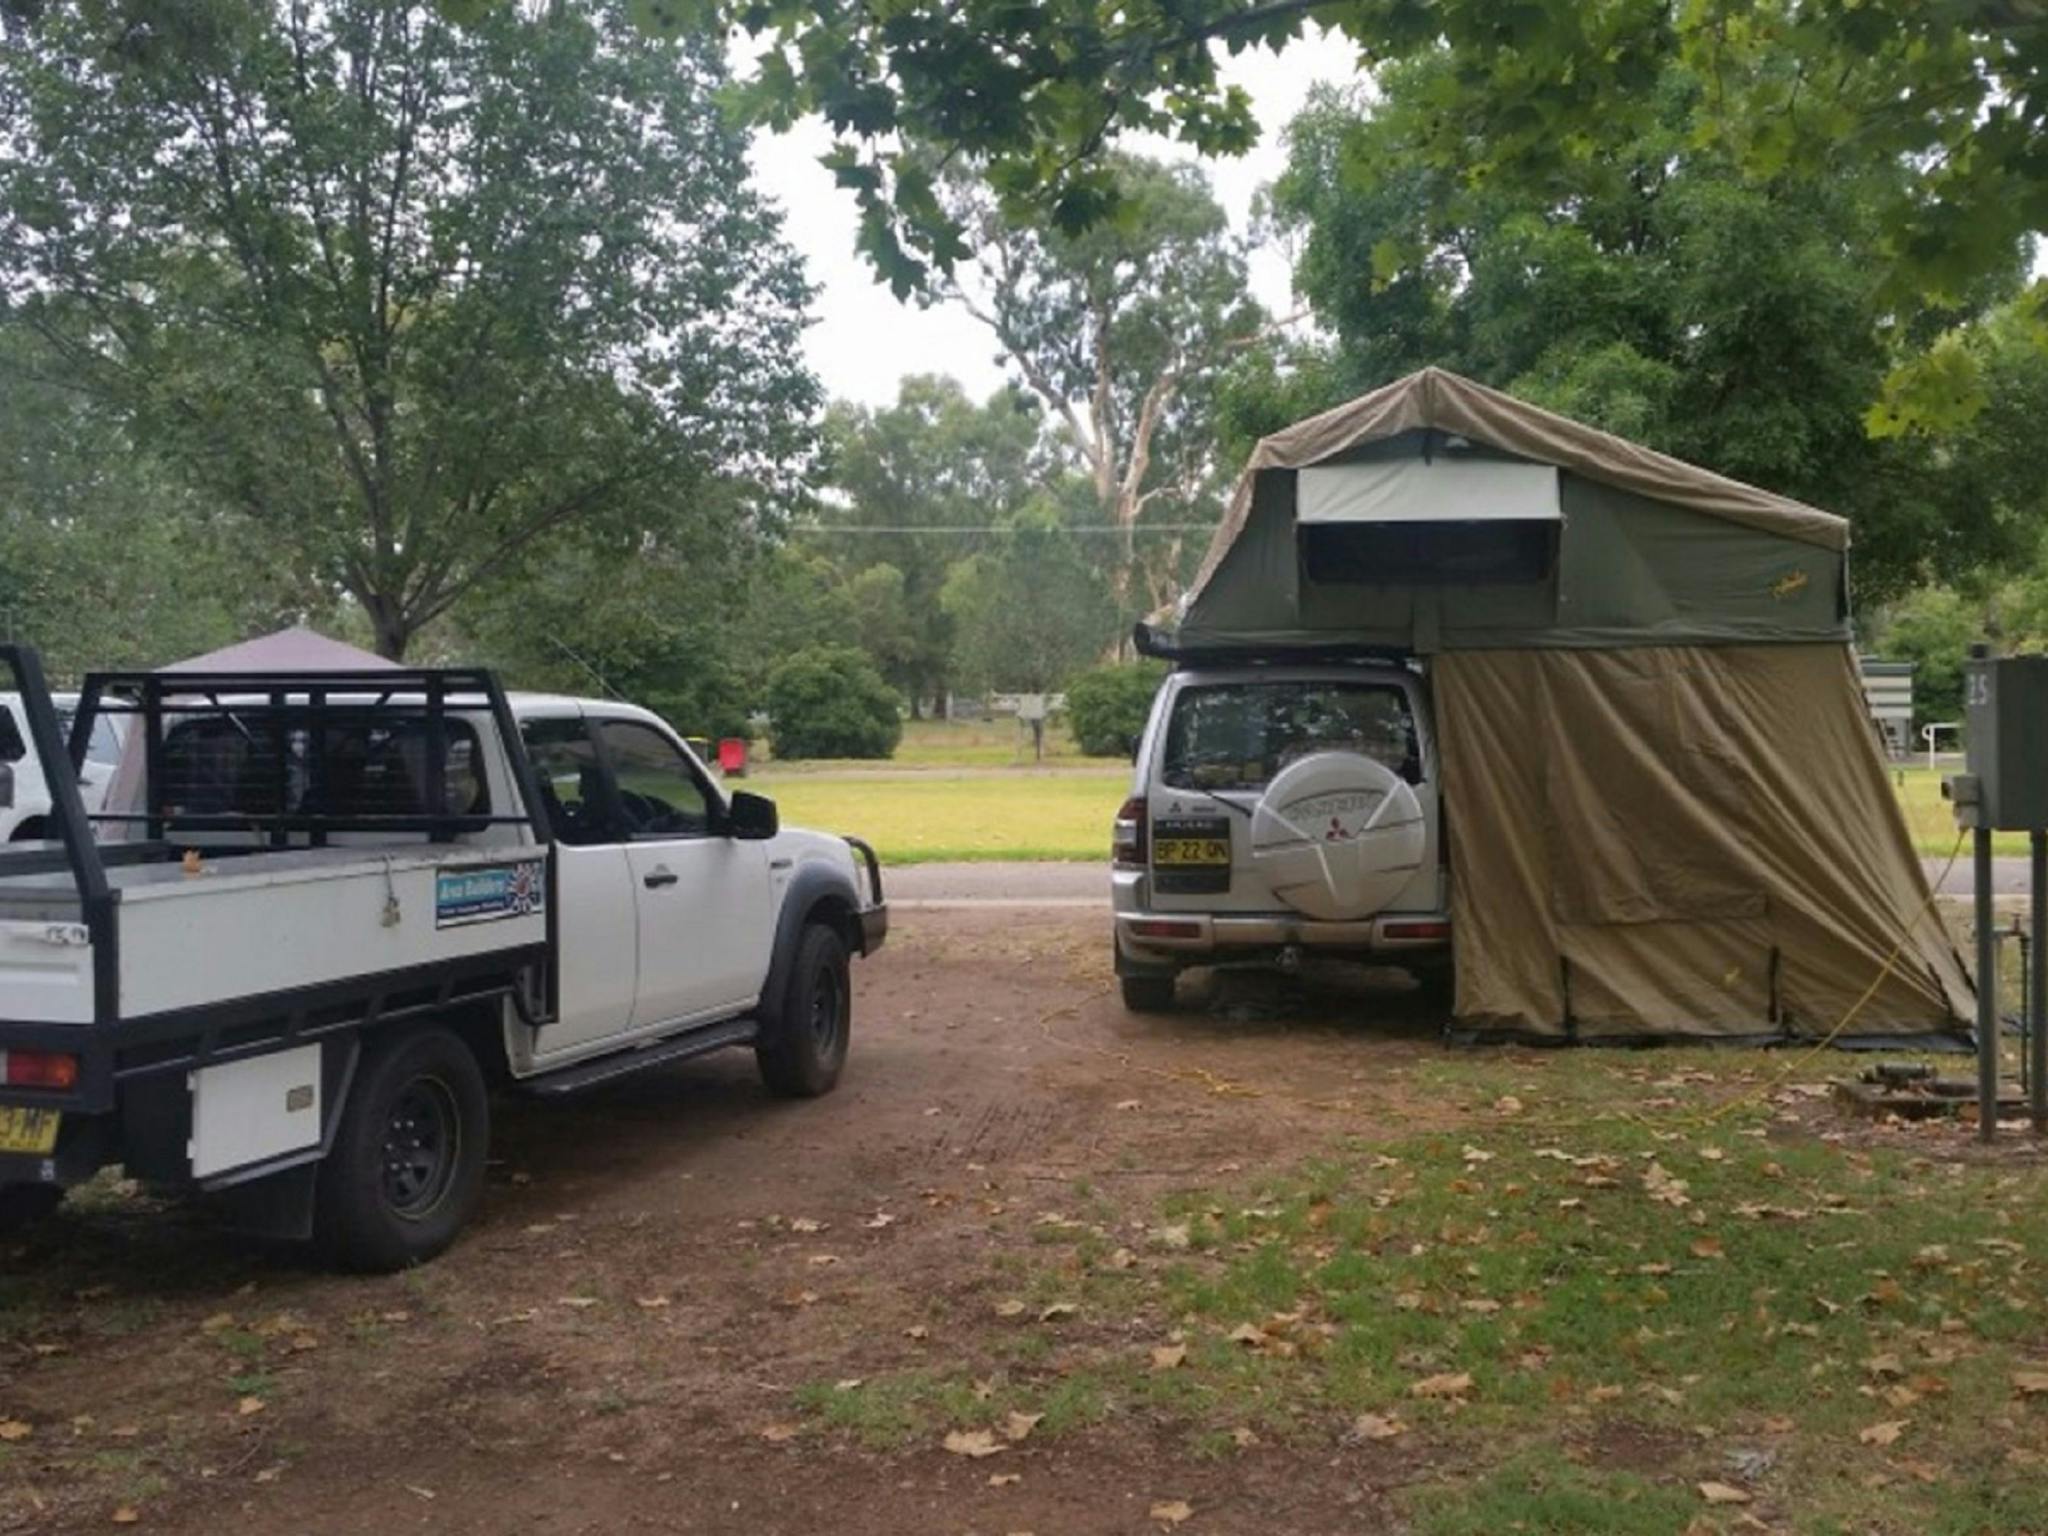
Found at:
[595, 919]
[705, 913]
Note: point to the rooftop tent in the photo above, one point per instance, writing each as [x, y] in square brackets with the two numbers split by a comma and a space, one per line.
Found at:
[1666, 809]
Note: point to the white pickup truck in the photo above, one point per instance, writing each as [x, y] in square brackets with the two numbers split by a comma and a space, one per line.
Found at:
[321, 915]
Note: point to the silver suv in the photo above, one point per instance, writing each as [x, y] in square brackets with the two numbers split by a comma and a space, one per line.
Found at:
[1276, 812]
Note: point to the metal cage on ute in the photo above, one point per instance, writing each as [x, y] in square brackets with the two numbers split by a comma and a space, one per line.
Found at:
[276, 703]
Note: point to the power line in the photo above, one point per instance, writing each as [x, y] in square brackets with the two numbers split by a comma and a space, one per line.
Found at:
[1057, 528]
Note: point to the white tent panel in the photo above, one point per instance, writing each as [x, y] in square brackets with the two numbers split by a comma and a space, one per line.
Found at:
[1428, 490]
[1439, 490]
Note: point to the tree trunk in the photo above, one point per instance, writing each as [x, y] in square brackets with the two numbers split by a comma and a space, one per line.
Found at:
[389, 626]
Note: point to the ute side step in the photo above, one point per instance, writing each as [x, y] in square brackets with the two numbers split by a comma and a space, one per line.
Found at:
[588, 1074]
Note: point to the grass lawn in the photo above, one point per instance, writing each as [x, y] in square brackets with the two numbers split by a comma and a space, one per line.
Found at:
[999, 743]
[918, 812]
[923, 817]
[1643, 1295]
[1932, 819]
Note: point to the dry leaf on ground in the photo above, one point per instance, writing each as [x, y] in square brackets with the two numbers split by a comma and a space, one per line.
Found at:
[1374, 1426]
[1446, 1385]
[1886, 1432]
[1166, 1356]
[1019, 1425]
[1172, 1511]
[1722, 1493]
[972, 1442]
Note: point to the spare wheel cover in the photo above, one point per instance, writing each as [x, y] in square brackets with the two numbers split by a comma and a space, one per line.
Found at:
[1337, 835]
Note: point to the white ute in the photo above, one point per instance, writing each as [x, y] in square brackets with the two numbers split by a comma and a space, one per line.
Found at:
[320, 915]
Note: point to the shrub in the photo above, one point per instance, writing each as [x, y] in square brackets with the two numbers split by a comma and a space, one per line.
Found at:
[1107, 706]
[829, 701]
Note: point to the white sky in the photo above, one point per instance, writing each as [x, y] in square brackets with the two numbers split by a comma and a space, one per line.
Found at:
[863, 341]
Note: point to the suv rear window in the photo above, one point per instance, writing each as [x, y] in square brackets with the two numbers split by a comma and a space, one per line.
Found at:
[1239, 735]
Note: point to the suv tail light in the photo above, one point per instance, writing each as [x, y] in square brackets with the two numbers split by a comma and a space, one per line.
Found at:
[1128, 838]
[38, 1069]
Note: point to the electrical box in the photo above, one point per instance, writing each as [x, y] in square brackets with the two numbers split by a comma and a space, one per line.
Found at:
[2005, 701]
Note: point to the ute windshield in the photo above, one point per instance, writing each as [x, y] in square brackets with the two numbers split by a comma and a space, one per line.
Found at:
[1239, 735]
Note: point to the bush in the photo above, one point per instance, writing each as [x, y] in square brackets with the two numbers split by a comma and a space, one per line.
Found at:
[1107, 706]
[829, 701]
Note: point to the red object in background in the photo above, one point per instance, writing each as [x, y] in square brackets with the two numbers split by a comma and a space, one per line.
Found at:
[732, 756]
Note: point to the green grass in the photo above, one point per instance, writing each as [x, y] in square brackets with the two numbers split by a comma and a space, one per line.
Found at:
[919, 814]
[959, 744]
[1932, 820]
[1640, 1296]
[918, 818]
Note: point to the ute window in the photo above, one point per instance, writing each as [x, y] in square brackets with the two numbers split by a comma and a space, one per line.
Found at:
[1239, 735]
[660, 794]
[234, 764]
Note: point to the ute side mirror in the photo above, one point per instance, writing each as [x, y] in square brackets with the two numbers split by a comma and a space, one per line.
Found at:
[751, 818]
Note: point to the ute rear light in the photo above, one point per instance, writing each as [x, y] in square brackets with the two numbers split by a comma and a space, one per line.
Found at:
[1128, 837]
[1425, 930]
[38, 1069]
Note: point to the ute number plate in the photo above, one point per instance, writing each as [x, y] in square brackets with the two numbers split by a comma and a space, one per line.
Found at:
[33, 1131]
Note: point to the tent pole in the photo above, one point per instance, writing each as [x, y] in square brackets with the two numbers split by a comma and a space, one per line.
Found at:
[1987, 991]
[2037, 985]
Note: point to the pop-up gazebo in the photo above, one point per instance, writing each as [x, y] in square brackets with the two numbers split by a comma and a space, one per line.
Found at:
[1666, 810]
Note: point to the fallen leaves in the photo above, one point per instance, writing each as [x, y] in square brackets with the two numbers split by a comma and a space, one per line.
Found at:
[1171, 1512]
[15, 1429]
[975, 1443]
[1722, 1493]
[1447, 1385]
[1884, 1433]
[778, 1434]
[2024, 1384]
[1376, 1426]
[1166, 1357]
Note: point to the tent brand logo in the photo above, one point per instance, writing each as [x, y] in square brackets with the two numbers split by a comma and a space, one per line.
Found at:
[1333, 818]
[1791, 584]
[485, 895]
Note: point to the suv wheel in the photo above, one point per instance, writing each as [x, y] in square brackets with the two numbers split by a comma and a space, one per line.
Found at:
[1147, 994]
[802, 1049]
[407, 1168]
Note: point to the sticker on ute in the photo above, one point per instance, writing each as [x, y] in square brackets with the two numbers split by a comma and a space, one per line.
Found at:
[487, 894]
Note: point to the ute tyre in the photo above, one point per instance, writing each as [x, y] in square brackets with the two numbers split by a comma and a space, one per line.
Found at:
[1147, 994]
[23, 1205]
[802, 1048]
[407, 1169]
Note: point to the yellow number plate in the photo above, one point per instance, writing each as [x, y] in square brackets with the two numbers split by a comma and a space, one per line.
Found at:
[1191, 850]
[33, 1131]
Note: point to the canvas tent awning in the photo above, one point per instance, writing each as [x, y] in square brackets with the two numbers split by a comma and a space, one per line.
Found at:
[1664, 804]
[295, 649]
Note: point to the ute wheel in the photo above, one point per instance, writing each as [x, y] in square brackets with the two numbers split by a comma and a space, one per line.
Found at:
[1147, 994]
[803, 1047]
[407, 1169]
[22, 1205]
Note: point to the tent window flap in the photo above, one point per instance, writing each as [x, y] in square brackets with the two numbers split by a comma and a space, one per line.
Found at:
[1445, 489]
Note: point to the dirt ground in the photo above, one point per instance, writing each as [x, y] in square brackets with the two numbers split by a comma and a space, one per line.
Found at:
[618, 1344]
